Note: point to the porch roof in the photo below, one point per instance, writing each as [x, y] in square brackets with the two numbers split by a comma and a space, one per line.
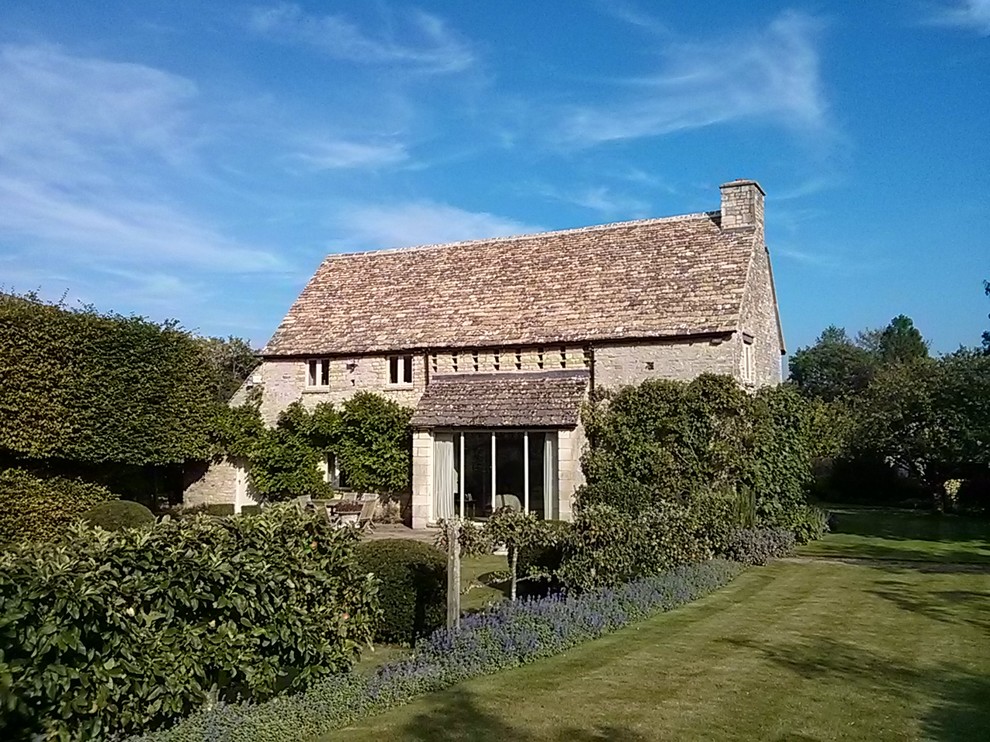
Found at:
[542, 399]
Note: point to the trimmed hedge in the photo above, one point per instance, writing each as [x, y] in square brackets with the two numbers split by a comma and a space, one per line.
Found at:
[509, 635]
[108, 633]
[413, 589]
[118, 514]
[37, 509]
[759, 546]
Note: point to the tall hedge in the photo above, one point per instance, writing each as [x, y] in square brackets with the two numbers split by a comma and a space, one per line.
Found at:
[116, 632]
[667, 440]
[90, 387]
[36, 508]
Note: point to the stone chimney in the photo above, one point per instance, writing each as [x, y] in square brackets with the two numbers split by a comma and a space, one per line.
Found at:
[742, 205]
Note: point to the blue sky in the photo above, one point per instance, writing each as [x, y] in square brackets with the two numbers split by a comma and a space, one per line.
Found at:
[197, 160]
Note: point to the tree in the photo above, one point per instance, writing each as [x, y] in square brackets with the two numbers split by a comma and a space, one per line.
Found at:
[986, 335]
[833, 368]
[901, 342]
[231, 360]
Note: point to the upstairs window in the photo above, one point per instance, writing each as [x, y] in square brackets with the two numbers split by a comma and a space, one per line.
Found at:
[453, 362]
[539, 357]
[496, 361]
[318, 373]
[400, 369]
[519, 360]
[474, 360]
[563, 357]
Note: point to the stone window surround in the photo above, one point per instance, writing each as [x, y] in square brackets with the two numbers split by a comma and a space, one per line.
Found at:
[400, 370]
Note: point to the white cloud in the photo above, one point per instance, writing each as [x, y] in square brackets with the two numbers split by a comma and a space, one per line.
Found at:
[767, 75]
[973, 15]
[420, 223]
[88, 152]
[428, 44]
[341, 154]
[601, 199]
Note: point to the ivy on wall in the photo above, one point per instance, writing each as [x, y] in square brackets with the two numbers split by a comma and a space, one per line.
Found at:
[368, 435]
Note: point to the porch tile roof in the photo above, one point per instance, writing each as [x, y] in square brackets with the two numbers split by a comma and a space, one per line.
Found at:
[653, 278]
[542, 399]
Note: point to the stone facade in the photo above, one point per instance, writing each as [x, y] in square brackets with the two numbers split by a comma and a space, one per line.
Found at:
[634, 363]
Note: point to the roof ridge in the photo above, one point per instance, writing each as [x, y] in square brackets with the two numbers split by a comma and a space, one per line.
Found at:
[515, 237]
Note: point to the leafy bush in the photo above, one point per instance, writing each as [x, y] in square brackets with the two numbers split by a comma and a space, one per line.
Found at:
[117, 514]
[474, 539]
[413, 589]
[542, 558]
[38, 509]
[807, 523]
[760, 545]
[509, 635]
[113, 632]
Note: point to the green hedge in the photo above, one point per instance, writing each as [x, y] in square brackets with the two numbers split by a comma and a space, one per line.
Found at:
[34, 508]
[118, 514]
[116, 632]
[88, 387]
[413, 589]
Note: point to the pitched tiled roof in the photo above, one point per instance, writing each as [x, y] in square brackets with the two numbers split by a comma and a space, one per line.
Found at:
[652, 278]
[542, 399]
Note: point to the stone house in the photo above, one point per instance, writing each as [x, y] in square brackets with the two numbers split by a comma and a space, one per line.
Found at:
[496, 343]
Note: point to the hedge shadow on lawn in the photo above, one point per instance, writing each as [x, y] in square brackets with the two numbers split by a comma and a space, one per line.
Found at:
[456, 717]
[956, 698]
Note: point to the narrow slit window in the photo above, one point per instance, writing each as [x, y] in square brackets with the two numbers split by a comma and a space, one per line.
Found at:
[563, 357]
[539, 357]
[747, 361]
[496, 361]
[519, 360]
[453, 362]
[474, 360]
[587, 357]
[434, 363]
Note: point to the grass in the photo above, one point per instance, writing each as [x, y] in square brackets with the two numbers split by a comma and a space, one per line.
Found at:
[799, 650]
[877, 533]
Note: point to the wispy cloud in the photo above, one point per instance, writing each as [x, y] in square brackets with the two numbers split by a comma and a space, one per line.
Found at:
[413, 39]
[83, 146]
[372, 226]
[973, 15]
[342, 154]
[770, 75]
[600, 199]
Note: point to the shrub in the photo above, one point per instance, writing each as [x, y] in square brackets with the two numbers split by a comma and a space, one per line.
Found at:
[109, 633]
[760, 545]
[117, 514]
[808, 523]
[38, 509]
[509, 635]
[541, 559]
[413, 588]
[474, 539]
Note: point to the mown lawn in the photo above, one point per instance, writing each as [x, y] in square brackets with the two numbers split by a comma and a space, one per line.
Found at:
[800, 650]
[877, 533]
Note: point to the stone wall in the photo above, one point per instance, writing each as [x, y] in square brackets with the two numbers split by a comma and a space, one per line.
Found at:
[570, 447]
[759, 320]
[422, 479]
[622, 365]
[216, 483]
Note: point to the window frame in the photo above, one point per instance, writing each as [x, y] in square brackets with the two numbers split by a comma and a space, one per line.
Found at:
[318, 373]
[399, 371]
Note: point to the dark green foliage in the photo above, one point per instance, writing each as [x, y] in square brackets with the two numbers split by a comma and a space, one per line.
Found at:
[38, 508]
[231, 361]
[86, 387]
[114, 632]
[118, 514]
[413, 587]
[758, 546]
[807, 523]
[375, 444]
[901, 342]
[283, 466]
[542, 558]
[704, 448]
[833, 368]
[474, 539]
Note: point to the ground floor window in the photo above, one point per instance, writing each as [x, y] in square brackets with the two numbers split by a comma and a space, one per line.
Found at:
[476, 472]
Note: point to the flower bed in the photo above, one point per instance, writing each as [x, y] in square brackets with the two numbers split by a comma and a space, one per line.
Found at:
[509, 635]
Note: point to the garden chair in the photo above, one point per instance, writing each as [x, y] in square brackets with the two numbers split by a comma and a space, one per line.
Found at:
[368, 507]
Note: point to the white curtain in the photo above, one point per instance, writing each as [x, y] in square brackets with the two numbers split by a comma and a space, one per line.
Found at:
[550, 476]
[444, 476]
